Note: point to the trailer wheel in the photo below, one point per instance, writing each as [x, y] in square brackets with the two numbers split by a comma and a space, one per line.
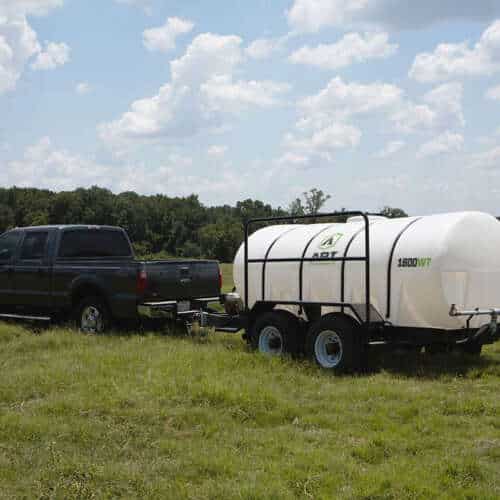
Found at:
[334, 343]
[471, 348]
[437, 349]
[276, 333]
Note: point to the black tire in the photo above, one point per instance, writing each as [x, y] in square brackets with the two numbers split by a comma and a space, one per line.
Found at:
[470, 349]
[334, 343]
[276, 333]
[437, 349]
[92, 315]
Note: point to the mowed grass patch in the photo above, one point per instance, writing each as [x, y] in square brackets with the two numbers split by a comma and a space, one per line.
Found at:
[152, 416]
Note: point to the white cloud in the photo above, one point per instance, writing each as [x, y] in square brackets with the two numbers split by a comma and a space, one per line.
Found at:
[55, 54]
[217, 150]
[489, 160]
[489, 139]
[15, 8]
[325, 141]
[390, 149]
[46, 166]
[351, 48]
[207, 55]
[293, 159]
[458, 60]
[445, 143]
[263, 48]
[324, 123]
[83, 88]
[313, 15]
[164, 37]
[223, 94]
[18, 41]
[493, 93]
[340, 100]
[441, 108]
[200, 96]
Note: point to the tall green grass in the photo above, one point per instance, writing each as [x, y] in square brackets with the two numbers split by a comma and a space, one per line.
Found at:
[155, 416]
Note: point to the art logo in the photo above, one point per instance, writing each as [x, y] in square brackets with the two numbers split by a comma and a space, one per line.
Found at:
[330, 241]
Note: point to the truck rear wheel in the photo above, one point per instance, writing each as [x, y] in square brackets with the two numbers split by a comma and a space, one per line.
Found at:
[333, 343]
[276, 333]
[92, 315]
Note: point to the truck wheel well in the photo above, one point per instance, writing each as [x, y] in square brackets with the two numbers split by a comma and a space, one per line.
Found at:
[87, 290]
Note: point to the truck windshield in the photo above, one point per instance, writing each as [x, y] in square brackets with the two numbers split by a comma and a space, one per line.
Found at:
[94, 243]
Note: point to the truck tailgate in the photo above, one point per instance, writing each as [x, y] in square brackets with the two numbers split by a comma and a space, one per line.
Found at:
[181, 280]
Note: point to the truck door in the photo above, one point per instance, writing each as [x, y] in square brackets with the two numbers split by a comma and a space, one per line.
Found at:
[8, 246]
[32, 272]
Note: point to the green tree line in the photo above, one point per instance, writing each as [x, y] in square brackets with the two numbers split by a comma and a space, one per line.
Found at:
[158, 225]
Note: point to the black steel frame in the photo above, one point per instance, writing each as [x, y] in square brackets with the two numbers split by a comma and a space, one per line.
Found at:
[301, 260]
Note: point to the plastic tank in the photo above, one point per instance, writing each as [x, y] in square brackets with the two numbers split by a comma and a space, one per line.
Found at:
[436, 261]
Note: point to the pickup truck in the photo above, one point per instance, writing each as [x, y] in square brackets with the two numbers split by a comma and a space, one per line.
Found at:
[90, 274]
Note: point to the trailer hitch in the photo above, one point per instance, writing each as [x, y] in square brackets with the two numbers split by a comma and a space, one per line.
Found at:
[490, 329]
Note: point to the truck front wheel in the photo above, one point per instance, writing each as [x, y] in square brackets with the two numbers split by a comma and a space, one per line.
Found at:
[92, 315]
[333, 343]
[276, 333]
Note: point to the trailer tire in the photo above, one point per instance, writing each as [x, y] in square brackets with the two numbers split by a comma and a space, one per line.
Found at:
[437, 349]
[471, 349]
[334, 343]
[276, 333]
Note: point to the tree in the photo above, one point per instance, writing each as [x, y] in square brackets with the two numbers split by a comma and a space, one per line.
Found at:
[314, 200]
[221, 240]
[159, 226]
[296, 207]
[7, 219]
[393, 213]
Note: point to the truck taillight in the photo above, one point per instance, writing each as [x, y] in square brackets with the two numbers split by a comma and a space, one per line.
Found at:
[142, 282]
[220, 279]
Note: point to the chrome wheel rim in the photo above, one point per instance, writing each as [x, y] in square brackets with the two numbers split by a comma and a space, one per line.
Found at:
[92, 320]
[271, 341]
[328, 349]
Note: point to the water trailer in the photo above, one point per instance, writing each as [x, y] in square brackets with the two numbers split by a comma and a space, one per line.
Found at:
[332, 289]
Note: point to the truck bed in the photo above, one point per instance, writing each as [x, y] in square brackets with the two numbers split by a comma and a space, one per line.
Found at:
[181, 279]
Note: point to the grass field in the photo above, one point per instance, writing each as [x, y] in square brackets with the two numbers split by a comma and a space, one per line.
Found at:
[156, 416]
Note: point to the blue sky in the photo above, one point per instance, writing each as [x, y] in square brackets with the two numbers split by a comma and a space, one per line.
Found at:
[376, 102]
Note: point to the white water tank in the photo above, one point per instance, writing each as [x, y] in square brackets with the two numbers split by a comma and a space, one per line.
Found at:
[431, 263]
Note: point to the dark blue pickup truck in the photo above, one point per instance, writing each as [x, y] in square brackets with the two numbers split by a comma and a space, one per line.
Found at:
[89, 273]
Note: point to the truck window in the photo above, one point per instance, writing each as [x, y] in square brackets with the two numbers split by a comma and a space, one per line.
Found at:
[94, 243]
[34, 245]
[8, 245]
